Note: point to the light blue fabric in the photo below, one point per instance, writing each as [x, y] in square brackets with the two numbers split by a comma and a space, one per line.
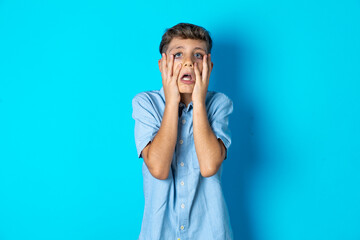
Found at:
[184, 206]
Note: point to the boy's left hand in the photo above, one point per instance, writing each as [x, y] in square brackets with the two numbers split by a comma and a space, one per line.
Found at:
[202, 80]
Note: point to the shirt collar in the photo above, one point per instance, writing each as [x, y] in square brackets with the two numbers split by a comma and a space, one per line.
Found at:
[181, 105]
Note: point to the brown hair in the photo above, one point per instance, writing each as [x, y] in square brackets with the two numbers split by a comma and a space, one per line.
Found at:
[185, 31]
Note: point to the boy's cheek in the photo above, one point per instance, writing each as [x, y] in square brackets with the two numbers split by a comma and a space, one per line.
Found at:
[176, 65]
[177, 62]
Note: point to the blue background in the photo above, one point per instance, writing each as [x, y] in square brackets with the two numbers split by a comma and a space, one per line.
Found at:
[68, 73]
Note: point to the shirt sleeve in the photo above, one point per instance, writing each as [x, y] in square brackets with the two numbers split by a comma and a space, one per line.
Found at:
[147, 123]
[221, 109]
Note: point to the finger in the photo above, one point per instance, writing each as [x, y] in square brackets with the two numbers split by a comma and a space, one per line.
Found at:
[170, 66]
[197, 73]
[177, 71]
[209, 63]
[163, 64]
[205, 68]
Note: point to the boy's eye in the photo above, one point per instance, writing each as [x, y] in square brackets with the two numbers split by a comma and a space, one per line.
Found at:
[198, 55]
[176, 55]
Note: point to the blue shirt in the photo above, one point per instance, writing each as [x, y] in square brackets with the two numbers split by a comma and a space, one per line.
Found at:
[185, 206]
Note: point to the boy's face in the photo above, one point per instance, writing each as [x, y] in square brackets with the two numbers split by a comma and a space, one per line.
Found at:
[187, 52]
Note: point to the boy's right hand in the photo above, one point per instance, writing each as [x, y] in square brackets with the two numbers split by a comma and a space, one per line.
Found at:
[169, 79]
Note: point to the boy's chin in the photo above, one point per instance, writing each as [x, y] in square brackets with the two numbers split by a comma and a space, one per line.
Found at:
[186, 88]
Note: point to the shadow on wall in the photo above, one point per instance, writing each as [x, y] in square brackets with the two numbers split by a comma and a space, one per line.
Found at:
[235, 57]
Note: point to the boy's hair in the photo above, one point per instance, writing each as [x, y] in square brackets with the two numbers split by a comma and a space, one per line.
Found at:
[185, 31]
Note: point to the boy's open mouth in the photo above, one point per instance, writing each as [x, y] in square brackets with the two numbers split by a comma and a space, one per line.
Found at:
[187, 77]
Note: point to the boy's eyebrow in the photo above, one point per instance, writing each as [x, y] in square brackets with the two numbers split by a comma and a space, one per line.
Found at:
[176, 48]
[200, 48]
[183, 47]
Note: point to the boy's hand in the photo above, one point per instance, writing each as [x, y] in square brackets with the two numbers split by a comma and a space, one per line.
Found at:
[202, 80]
[169, 79]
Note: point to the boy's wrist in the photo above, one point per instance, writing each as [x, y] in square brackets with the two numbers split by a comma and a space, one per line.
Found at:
[172, 104]
[199, 104]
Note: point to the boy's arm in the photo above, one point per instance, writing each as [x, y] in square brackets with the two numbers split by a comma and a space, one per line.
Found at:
[159, 153]
[209, 150]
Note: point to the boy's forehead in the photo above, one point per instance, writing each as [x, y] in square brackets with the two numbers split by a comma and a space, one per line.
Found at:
[186, 44]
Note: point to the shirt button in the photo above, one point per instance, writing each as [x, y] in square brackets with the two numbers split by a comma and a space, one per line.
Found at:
[183, 121]
[182, 227]
[182, 164]
[181, 141]
[178, 239]
[182, 205]
[182, 183]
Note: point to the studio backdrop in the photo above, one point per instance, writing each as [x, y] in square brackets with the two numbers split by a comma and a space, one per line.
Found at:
[68, 72]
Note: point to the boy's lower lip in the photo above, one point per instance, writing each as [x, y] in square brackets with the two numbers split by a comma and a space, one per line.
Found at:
[186, 82]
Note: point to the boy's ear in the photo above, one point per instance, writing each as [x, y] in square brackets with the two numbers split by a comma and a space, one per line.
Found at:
[159, 62]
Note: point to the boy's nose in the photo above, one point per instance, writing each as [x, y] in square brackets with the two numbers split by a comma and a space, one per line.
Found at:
[188, 62]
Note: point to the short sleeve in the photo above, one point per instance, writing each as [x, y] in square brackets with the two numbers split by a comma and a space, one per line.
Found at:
[147, 122]
[220, 110]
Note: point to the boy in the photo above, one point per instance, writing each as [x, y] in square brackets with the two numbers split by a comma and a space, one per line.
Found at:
[181, 132]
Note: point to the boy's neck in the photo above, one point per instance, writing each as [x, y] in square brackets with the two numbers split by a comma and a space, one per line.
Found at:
[186, 98]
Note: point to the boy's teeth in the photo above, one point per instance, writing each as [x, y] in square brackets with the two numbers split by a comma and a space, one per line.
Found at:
[186, 78]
